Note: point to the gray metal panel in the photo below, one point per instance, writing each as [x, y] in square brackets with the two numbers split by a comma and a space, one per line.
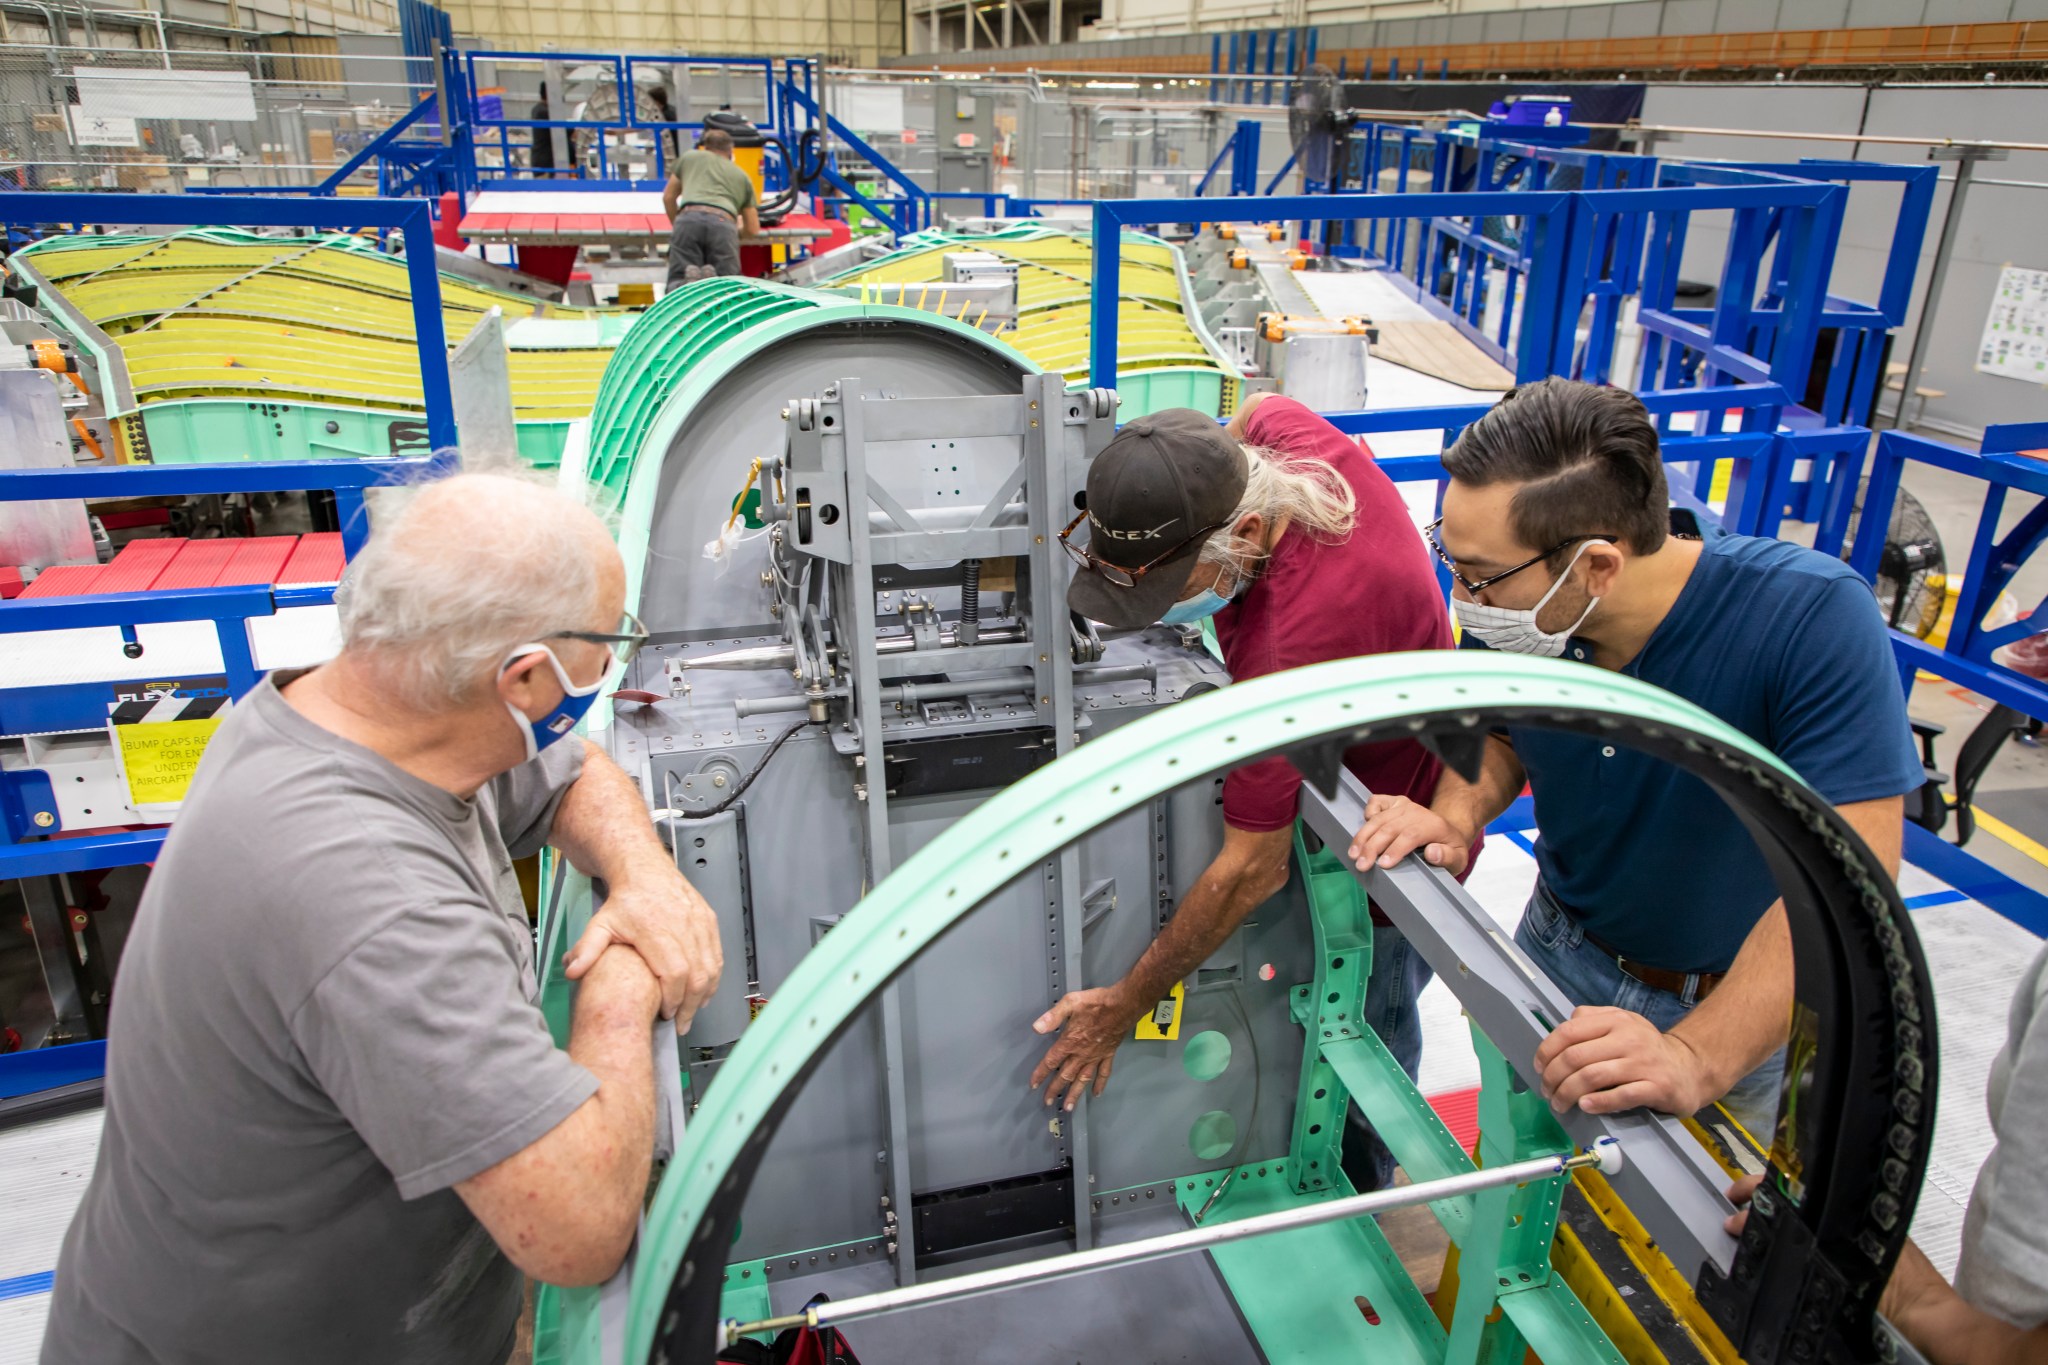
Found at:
[737, 420]
[1140, 1126]
[1813, 14]
[967, 1022]
[1688, 16]
[1887, 13]
[480, 390]
[1468, 28]
[2029, 9]
[1638, 20]
[1504, 27]
[1433, 31]
[1747, 16]
[32, 436]
[709, 854]
[1975, 11]
[1399, 33]
[1588, 21]
[1543, 25]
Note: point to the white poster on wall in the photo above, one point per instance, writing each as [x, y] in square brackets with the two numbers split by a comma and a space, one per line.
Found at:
[2015, 341]
[101, 130]
[869, 108]
[202, 96]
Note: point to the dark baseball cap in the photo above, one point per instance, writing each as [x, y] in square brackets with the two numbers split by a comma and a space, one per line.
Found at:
[1166, 482]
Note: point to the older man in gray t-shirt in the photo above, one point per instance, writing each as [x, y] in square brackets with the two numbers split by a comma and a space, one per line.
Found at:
[337, 1129]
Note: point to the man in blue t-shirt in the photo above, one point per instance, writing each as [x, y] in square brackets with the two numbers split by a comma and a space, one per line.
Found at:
[1653, 911]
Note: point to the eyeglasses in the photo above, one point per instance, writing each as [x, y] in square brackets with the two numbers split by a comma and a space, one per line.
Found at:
[624, 643]
[1117, 573]
[1472, 589]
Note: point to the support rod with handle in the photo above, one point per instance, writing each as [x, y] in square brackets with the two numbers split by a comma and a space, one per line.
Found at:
[1606, 1155]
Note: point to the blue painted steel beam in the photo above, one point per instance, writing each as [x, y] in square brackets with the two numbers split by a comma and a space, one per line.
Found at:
[917, 207]
[192, 480]
[1244, 164]
[174, 210]
[376, 146]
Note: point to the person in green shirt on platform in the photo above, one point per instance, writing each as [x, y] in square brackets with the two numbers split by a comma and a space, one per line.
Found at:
[709, 199]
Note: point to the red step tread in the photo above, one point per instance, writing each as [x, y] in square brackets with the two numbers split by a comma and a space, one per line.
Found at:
[198, 564]
[65, 580]
[257, 560]
[1459, 1110]
[135, 569]
[318, 559]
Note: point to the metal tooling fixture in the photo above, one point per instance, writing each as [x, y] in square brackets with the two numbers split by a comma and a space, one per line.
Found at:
[897, 570]
[1851, 1146]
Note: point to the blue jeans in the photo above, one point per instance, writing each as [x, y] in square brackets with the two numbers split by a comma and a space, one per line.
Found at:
[1557, 945]
[1398, 976]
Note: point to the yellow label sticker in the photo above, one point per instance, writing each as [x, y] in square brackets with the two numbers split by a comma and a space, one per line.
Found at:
[159, 759]
[1163, 1023]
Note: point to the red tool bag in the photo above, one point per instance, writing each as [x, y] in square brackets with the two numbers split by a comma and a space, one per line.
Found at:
[796, 1346]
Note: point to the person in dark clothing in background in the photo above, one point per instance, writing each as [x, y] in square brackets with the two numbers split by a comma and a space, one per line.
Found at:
[542, 157]
[664, 112]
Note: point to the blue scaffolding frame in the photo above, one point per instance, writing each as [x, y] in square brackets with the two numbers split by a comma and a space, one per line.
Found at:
[1562, 260]
[33, 209]
[1996, 555]
[25, 848]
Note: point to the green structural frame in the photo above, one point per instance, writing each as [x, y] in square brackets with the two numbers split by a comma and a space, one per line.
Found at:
[1503, 1235]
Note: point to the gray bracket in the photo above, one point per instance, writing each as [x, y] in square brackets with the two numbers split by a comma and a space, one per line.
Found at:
[1669, 1183]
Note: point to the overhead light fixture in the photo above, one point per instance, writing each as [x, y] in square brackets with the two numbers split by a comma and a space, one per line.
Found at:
[1112, 85]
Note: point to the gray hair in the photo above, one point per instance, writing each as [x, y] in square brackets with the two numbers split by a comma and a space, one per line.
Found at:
[1308, 494]
[461, 571]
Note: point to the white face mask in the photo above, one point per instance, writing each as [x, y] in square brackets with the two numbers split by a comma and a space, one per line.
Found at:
[1516, 632]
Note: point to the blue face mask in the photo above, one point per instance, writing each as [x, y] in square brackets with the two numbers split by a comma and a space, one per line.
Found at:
[569, 710]
[1203, 604]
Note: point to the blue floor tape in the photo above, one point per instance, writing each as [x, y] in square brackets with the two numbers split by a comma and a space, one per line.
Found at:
[46, 1068]
[21, 1286]
[1978, 880]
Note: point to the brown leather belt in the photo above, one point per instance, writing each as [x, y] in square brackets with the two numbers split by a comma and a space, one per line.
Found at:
[710, 208]
[1661, 978]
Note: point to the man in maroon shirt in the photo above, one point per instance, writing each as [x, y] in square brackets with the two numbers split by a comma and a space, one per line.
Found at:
[1284, 530]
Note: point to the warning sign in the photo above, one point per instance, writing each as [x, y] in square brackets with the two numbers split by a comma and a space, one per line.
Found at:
[1163, 1023]
[160, 758]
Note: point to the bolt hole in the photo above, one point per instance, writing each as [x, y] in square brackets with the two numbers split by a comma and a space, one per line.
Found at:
[1365, 1307]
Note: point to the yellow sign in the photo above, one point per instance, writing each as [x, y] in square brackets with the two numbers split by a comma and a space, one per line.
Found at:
[159, 759]
[1163, 1023]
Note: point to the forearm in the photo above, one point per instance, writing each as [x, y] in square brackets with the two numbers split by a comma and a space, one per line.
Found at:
[603, 827]
[1241, 419]
[671, 196]
[751, 221]
[1945, 1328]
[565, 1207]
[1469, 807]
[1746, 1019]
[1227, 891]
[611, 1036]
